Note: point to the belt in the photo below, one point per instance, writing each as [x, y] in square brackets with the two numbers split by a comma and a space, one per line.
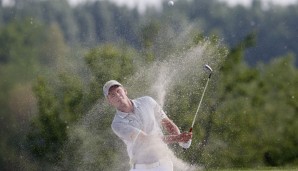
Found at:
[145, 166]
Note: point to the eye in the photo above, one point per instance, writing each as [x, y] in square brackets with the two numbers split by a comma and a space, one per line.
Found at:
[112, 95]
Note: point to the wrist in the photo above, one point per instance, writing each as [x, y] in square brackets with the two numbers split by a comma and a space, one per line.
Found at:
[171, 138]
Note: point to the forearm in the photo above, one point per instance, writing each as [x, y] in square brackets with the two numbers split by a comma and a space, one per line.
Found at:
[170, 127]
[169, 139]
[174, 133]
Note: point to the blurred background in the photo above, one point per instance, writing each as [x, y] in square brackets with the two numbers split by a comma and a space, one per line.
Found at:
[55, 55]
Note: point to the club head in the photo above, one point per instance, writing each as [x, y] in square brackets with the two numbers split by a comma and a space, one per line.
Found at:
[208, 68]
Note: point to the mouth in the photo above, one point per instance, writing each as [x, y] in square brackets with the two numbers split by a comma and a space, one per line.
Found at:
[120, 99]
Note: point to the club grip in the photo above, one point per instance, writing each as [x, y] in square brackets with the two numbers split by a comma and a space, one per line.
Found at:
[190, 130]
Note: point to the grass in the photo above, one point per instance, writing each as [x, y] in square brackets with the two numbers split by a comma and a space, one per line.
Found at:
[259, 169]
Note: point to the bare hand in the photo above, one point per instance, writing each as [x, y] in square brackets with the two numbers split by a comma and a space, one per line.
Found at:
[184, 136]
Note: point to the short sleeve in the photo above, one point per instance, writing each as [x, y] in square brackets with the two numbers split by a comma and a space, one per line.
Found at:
[125, 131]
[158, 111]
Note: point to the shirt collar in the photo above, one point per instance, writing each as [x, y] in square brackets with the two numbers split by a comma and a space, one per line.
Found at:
[124, 114]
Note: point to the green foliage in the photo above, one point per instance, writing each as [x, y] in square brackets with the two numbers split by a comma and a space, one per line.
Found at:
[92, 145]
[62, 102]
[248, 120]
[70, 99]
[148, 36]
[20, 48]
[100, 22]
[282, 145]
[19, 39]
[255, 109]
[54, 48]
[149, 33]
[110, 62]
[57, 108]
[48, 131]
[249, 117]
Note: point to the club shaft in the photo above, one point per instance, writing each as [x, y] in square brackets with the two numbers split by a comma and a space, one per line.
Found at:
[194, 119]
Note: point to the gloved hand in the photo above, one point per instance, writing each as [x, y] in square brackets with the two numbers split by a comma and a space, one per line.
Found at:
[185, 145]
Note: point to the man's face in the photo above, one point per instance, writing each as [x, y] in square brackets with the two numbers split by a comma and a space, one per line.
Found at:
[117, 96]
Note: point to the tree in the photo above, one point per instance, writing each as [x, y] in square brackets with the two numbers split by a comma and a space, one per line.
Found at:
[65, 99]
[48, 130]
[19, 51]
[109, 62]
[278, 86]
[249, 124]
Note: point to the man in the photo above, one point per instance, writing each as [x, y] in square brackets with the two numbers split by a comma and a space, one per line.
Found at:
[139, 124]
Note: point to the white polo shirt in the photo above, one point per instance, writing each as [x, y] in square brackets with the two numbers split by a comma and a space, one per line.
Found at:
[146, 117]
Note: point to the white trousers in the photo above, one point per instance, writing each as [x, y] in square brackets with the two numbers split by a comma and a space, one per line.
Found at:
[163, 166]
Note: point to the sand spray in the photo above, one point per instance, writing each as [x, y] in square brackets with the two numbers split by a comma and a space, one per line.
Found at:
[92, 135]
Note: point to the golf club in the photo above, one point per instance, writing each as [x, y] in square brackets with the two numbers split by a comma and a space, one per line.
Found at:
[209, 69]
[194, 119]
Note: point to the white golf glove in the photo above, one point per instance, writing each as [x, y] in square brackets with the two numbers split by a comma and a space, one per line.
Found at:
[185, 145]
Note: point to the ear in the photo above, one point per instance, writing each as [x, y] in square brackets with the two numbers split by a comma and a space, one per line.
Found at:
[108, 100]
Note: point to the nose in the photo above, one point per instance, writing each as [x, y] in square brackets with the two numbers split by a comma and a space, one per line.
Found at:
[117, 95]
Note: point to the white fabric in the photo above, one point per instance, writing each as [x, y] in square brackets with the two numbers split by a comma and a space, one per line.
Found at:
[146, 117]
[186, 144]
[146, 166]
[162, 165]
[108, 85]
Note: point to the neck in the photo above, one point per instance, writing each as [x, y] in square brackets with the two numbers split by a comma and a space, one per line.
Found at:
[127, 108]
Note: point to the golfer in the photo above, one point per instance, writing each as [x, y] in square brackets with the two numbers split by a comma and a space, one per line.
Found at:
[139, 123]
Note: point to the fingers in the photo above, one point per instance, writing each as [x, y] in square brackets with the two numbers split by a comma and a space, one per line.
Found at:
[185, 136]
[188, 134]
